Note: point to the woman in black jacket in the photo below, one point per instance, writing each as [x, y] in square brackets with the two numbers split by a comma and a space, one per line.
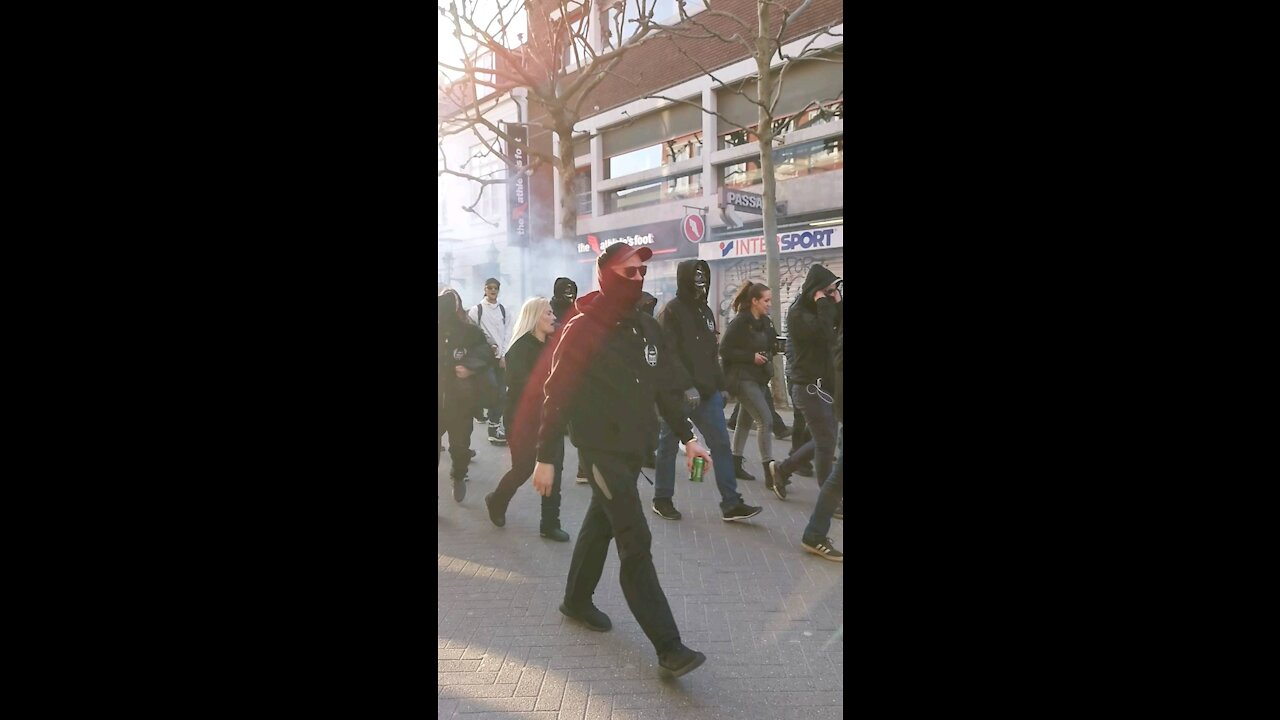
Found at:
[536, 323]
[462, 356]
[746, 351]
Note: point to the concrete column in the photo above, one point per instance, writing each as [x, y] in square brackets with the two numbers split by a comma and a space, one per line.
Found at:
[710, 143]
[597, 175]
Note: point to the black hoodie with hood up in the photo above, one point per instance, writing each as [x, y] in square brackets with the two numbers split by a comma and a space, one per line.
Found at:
[811, 331]
[459, 343]
[689, 327]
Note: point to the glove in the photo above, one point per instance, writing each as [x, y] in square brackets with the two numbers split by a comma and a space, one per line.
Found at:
[691, 399]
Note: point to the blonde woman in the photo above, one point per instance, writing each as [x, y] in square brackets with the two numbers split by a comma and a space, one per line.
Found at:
[534, 326]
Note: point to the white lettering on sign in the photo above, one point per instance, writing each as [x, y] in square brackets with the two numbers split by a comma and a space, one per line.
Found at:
[745, 200]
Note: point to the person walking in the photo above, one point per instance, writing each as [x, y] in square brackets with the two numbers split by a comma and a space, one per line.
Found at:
[688, 326]
[534, 326]
[747, 352]
[462, 353]
[491, 317]
[812, 325]
[562, 303]
[610, 365]
[831, 497]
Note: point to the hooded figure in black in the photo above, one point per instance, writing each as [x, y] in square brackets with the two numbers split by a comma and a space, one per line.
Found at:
[813, 322]
[563, 297]
[689, 326]
[610, 365]
[462, 353]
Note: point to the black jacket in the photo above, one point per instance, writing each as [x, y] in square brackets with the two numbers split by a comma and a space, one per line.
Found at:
[811, 331]
[743, 338]
[521, 359]
[459, 343]
[689, 327]
[609, 366]
[838, 380]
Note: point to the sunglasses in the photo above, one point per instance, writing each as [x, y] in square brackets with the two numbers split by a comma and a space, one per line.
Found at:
[631, 271]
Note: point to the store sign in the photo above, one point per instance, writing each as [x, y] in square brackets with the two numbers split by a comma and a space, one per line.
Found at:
[665, 239]
[517, 186]
[694, 227]
[802, 240]
[744, 201]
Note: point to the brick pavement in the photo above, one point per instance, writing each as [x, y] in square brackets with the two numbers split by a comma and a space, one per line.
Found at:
[768, 615]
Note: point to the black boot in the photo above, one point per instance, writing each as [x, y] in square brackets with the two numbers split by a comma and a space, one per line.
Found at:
[740, 472]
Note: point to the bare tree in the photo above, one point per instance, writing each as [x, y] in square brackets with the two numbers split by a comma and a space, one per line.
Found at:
[558, 65]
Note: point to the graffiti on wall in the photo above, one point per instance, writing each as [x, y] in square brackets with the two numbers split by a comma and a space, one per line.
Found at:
[792, 269]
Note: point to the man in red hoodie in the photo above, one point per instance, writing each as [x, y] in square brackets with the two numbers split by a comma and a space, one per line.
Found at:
[608, 369]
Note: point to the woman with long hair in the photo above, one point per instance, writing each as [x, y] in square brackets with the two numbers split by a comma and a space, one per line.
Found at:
[535, 324]
[747, 351]
[461, 354]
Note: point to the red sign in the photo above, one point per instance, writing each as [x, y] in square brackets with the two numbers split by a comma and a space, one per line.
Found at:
[693, 227]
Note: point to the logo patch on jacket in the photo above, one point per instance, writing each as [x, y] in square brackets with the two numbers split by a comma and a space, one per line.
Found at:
[459, 354]
[651, 355]
[711, 324]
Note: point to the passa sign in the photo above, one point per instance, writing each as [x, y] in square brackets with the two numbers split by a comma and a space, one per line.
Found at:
[807, 239]
[744, 201]
[665, 239]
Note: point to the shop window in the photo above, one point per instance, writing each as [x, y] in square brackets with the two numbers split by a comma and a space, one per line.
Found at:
[811, 117]
[789, 162]
[680, 188]
[582, 190]
[666, 152]
[623, 17]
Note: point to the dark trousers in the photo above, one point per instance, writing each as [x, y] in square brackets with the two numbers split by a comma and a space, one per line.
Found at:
[457, 422]
[799, 431]
[828, 499]
[495, 412]
[777, 419]
[820, 418]
[616, 513]
[524, 456]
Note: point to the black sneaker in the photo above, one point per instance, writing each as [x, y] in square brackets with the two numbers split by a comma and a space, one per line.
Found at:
[666, 509]
[781, 479]
[782, 432]
[823, 548]
[732, 424]
[742, 512]
[497, 436]
[589, 616]
[839, 513]
[555, 534]
[582, 476]
[459, 489]
[498, 516]
[680, 661]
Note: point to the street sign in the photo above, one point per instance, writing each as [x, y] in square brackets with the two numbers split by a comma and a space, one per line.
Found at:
[694, 227]
[742, 201]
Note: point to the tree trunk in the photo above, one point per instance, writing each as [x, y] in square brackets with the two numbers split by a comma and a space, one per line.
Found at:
[567, 171]
[764, 136]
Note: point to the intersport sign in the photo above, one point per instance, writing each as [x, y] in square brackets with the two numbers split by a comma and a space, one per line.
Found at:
[807, 240]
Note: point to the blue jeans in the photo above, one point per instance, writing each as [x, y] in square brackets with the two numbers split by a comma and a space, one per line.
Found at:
[829, 499]
[708, 417]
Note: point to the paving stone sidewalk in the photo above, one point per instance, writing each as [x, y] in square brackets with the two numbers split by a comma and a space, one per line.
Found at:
[768, 615]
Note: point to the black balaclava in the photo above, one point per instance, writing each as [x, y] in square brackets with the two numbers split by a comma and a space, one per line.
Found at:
[700, 282]
[566, 291]
[447, 312]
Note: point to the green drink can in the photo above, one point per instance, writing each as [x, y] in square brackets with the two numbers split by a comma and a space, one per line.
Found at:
[698, 464]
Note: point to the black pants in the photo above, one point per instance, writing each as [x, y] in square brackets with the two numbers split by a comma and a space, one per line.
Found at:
[799, 431]
[524, 456]
[495, 412]
[457, 422]
[616, 513]
[768, 395]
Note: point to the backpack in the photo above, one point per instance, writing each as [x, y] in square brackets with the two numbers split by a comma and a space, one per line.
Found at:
[480, 313]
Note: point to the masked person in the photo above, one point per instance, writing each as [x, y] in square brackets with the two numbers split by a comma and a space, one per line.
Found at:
[812, 325]
[562, 302]
[688, 326]
[608, 369]
[831, 497]
[535, 325]
[462, 354]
